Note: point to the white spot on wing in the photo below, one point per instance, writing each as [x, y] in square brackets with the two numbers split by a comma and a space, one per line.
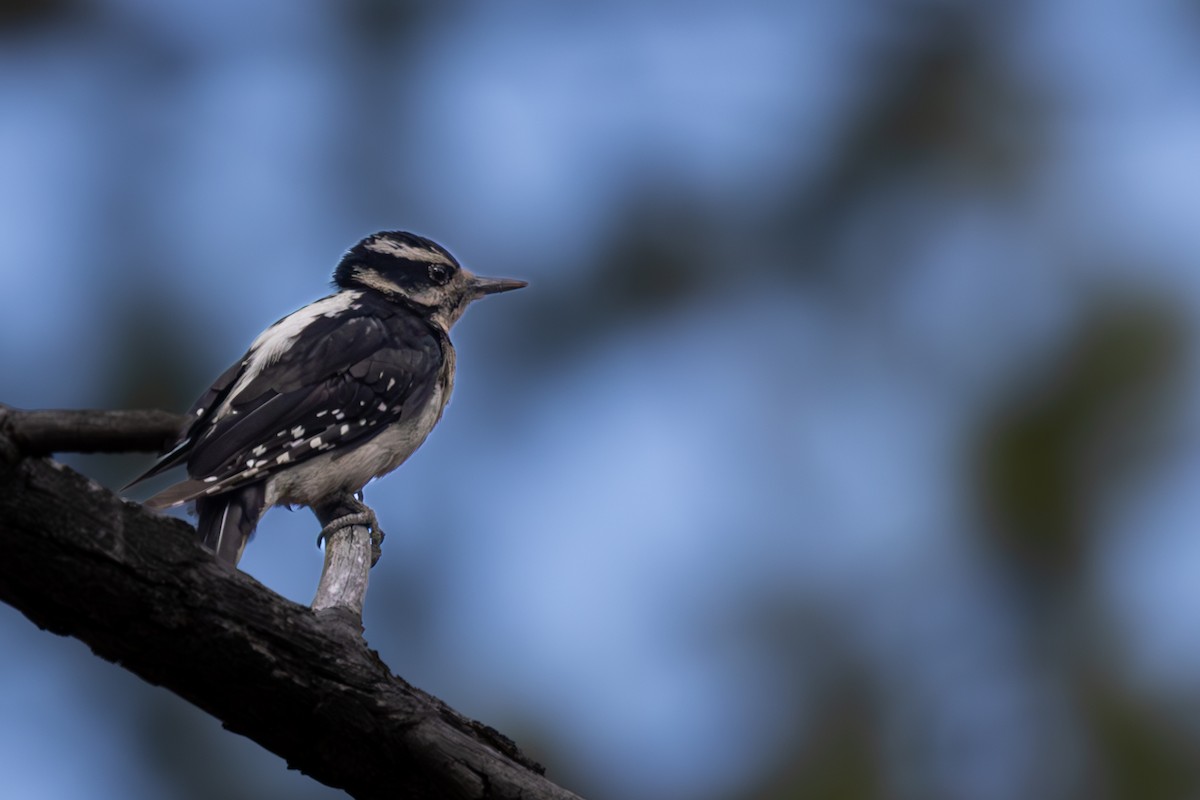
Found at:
[315, 443]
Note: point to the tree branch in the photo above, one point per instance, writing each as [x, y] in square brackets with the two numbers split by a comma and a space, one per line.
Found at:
[348, 554]
[141, 592]
[85, 431]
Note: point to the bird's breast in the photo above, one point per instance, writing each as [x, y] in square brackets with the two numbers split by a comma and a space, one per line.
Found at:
[349, 470]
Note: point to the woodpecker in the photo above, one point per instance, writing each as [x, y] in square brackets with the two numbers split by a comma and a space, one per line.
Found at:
[335, 394]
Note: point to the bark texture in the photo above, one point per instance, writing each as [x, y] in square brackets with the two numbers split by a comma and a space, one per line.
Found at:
[142, 593]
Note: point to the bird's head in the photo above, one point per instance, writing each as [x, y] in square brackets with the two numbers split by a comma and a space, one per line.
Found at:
[414, 270]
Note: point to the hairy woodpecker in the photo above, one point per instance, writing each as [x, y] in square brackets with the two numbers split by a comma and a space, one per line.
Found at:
[329, 397]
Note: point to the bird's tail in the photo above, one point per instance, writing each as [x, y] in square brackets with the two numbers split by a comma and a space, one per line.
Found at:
[227, 521]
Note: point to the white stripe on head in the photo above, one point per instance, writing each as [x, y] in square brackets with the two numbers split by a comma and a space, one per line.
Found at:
[407, 251]
[372, 278]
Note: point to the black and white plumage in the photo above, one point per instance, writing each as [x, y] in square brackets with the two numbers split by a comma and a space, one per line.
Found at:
[329, 397]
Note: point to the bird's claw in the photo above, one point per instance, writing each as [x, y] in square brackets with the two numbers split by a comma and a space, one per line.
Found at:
[365, 518]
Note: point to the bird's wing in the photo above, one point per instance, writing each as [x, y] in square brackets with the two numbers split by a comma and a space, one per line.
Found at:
[198, 416]
[341, 381]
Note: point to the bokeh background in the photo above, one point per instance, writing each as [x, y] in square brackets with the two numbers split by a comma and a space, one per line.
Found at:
[845, 444]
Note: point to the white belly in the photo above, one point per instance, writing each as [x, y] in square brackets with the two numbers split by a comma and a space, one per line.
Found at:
[336, 472]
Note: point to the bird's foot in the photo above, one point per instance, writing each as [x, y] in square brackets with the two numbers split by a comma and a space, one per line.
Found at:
[365, 516]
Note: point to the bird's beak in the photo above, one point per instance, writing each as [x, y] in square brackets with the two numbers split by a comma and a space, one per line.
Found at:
[481, 286]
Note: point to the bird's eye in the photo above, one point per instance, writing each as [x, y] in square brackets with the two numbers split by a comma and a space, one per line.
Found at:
[439, 273]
